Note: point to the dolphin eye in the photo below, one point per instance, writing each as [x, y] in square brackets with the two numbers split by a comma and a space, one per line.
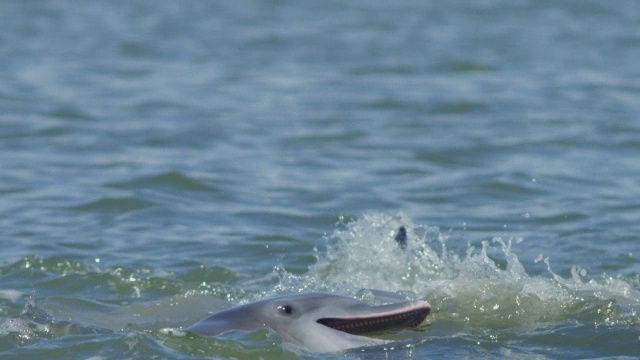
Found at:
[286, 309]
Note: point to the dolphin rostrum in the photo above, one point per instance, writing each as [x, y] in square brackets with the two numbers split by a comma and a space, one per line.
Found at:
[317, 322]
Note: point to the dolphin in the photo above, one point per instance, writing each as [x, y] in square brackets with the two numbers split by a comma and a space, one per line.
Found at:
[317, 322]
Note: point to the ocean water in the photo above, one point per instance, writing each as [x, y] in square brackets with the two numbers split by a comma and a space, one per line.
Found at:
[160, 161]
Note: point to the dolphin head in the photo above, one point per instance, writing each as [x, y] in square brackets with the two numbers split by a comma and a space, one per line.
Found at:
[318, 322]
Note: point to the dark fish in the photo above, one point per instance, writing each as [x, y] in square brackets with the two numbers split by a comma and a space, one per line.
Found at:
[401, 237]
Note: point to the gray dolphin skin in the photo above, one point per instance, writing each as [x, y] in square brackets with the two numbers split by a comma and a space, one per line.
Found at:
[317, 322]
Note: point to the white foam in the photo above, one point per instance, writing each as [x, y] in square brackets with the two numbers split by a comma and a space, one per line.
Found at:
[177, 332]
[25, 328]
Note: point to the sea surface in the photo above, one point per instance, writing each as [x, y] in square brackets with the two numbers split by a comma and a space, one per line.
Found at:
[161, 161]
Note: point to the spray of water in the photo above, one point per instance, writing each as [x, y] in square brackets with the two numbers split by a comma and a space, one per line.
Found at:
[468, 290]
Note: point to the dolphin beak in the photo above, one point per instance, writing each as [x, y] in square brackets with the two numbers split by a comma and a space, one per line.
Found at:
[407, 316]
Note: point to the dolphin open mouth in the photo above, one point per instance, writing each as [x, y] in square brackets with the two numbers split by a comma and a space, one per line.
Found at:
[408, 317]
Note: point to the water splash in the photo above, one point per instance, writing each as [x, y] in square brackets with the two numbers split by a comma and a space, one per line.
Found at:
[468, 290]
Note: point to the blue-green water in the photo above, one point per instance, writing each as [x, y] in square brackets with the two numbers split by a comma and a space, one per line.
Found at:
[160, 161]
